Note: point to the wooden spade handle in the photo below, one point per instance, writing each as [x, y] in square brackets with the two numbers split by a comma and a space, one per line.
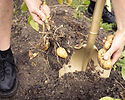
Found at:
[97, 15]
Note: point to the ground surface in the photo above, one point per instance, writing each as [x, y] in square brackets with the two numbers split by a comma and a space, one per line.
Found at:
[38, 77]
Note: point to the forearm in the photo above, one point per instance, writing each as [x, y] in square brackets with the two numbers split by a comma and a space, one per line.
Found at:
[119, 9]
[119, 40]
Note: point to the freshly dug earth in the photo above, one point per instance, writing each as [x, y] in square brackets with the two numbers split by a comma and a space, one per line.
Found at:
[38, 77]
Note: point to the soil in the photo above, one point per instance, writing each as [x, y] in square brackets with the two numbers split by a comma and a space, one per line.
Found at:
[39, 77]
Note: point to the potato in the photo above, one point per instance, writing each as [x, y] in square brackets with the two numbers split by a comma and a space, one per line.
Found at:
[61, 52]
[108, 42]
[101, 53]
[106, 64]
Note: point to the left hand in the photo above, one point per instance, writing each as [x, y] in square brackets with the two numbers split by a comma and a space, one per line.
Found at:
[38, 11]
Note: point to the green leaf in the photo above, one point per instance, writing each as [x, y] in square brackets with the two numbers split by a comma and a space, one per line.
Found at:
[34, 24]
[60, 1]
[69, 2]
[108, 98]
[24, 7]
[119, 64]
[122, 61]
[123, 72]
[29, 19]
[86, 2]
[75, 3]
[123, 53]
[106, 26]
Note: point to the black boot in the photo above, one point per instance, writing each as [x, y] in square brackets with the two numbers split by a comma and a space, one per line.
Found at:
[8, 82]
[107, 16]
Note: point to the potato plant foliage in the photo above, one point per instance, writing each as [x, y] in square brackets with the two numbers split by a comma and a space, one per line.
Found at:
[68, 2]
[34, 25]
[121, 64]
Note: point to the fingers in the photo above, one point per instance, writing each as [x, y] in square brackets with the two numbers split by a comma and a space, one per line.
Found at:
[109, 53]
[116, 56]
[37, 19]
[41, 14]
[116, 48]
[46, 10]
[113, 53]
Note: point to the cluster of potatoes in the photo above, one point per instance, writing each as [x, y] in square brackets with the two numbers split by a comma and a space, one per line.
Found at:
[105, 64]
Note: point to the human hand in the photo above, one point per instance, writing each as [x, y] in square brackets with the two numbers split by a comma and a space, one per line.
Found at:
[116, 48]
[38, 11]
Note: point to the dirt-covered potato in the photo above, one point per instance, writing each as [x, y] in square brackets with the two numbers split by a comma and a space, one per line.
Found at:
[106, 64]
[101, 53]
[108, 42]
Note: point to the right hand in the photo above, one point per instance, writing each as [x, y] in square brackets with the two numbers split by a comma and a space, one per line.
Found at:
[116, 48]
